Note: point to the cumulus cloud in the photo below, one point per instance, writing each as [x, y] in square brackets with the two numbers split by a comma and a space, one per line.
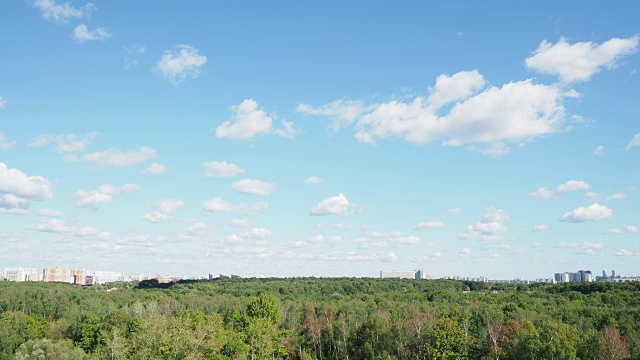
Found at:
[599, 150]
[585, 248]
[629, 229]
[82, 33]
[62, 12]
[193, 231]
[571, 185]
[623, 252]
[104, 195]
[618, 196]
[221, 169]
[593, 212]
[239, 222]
[581, 60]
[4, 143]
[18, 190]
[401, 240]
[488, 227]
[111, 157]
[253, 187]
[429, 225]
[155, 169]
[176, 65]
[364, 243]
[59, 226]
[540, 228]
[454, 211]
[634, 142]
[219, 205]
[314, 180]
[65, 143]
[329, 240]
[162, 210]
[341, 112]
[336, 205]
[248, 121]
[463, 110]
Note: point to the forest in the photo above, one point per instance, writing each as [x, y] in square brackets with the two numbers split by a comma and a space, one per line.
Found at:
[320, 318]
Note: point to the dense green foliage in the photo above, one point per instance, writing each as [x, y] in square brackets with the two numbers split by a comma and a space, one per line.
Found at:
[314, 318]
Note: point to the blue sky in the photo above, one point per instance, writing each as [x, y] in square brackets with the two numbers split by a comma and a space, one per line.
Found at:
[329, 139]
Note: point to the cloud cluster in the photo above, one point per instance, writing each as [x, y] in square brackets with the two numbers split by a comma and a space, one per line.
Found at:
[62, 12]
[162, 210]
[219, 205]
[193, 231]
[593, 212]
[18, 190]
[336, 205]
[221, 169]
[489, 227]
[104, 195]
[4, 143]
[634, 142]
[314, 180]
[253, 187]
[248, 121]
[65, 143]
[632, 229]
[176, 65]
[429, 225]
[571, 185]
[579, 61]
[59, 226]
[584, 248]
[112, 157]
[81, 34]
[155, 169]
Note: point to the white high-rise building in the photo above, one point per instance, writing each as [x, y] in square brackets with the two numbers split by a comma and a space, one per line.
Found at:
[101, 277]
[398, 274]
[21, 274]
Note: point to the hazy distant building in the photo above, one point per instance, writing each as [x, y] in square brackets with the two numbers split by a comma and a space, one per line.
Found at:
[139, 277]
[399, 274]
[613, 273]
[101, 277]
[21, 274]
[604, 273]
[56, 275]
[79, 276]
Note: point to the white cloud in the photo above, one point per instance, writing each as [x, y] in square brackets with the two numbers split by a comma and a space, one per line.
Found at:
[488, 227]
[65, 143]
[401, 240]
[49, 212]
[248, 121]
[131, 60]
[618, 196]
[59, 226]
[256, 233]
[297, 244]
[364, 243]
[314, 180]
[623, 252]
[62, 12]
[592, 212]
[539, 228]
[599, 150]
[631, 229]
[341, 112]
[586, 247]
[634, 142]
[103, 195]
[579, 61]
[465, 251]
[459, 86]
[336, 205]
[329, 240]
[17, 189]
[175, 66]
[221, 169]
[239, 222]
[454, 211]
[155, 169]
[4, 143]
[115, 158]
[615, 231]
[572, 185]
[253, 187]
[194, 231]
[82, 33]
[162, 210]
[428, 225]
[3, 102]
[220, 205]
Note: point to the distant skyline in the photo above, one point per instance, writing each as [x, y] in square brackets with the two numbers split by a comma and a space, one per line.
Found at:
[327, 139]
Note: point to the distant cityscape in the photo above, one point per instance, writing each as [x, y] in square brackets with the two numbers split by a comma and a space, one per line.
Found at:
[81, 276]
[564, 277]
